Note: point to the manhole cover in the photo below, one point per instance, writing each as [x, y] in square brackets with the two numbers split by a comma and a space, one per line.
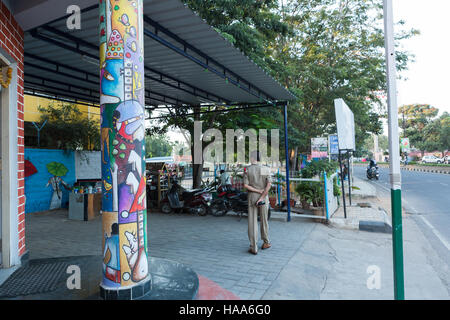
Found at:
[33, 279]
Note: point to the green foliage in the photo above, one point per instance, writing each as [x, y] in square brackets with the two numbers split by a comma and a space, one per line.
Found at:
[158, 146]
[336, 52]
[315, 168]
[413, 119]
[311, 192]
[336, 189]
[319, 49]
[436, 134]
[68, 129]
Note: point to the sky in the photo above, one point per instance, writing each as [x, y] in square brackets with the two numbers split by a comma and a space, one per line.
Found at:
[428, 78]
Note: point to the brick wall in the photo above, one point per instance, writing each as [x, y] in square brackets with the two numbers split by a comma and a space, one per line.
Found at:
[11, 40]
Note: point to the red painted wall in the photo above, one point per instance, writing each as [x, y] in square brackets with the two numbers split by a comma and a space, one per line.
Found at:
[11, 40]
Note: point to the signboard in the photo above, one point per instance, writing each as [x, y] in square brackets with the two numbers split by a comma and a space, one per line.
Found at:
[404, 145]
[334, 144]
[319, 147]
[345, 122]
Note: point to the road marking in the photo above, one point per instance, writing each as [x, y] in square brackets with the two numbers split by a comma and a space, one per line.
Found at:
[425, 220]
[436, 233]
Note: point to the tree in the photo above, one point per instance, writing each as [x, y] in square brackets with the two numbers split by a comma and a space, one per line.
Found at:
[414, 118]
[158, 146]
[336, 52]
[319, 49]
[436, 135]
[68, 129]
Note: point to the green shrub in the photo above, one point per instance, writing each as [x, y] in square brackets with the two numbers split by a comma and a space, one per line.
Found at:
[317, 167]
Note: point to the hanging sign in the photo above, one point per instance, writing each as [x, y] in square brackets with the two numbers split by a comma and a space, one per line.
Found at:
[5, 77]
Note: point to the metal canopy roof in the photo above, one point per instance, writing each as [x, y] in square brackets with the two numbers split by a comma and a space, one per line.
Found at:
[186, 61]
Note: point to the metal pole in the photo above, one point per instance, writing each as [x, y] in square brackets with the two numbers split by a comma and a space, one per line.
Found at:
[325, 184]
[394, 145]
[342, 184]
[124, 209]
[349, 180]
[286, 145]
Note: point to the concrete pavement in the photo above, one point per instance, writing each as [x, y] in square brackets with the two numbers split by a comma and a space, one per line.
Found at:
[307, 261]
[424, 198]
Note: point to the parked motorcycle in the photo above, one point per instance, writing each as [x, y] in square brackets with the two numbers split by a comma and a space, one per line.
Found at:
[178, 199]
[372, 173]
[229, 199]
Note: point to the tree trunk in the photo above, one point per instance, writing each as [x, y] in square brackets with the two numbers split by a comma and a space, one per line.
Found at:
[197, 169]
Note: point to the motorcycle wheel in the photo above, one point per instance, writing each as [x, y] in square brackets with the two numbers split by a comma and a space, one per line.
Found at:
[377, 178]
[165, 208]
[203, 210]
[218, 209]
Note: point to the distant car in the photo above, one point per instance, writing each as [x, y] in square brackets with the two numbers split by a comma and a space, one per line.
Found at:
[432, 159]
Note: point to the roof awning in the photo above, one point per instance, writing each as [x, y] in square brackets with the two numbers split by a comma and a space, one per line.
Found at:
[186, 61]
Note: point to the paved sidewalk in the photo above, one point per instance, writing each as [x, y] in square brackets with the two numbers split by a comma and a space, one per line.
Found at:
[364, 211]
[308, 260]
[215, 247]
[333, 264]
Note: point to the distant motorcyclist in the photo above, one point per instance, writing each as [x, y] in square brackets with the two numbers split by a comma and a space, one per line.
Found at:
[372, 170]
[373, 164]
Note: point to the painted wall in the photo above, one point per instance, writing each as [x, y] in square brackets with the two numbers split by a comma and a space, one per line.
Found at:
[38, 195]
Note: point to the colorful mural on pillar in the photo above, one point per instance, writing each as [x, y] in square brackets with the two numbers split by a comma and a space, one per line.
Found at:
[122, 103]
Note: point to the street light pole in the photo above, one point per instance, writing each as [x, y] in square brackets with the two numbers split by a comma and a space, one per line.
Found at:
[394, 146]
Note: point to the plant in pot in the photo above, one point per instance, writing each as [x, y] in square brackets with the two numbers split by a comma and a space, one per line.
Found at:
[272, 198]
[306, 192]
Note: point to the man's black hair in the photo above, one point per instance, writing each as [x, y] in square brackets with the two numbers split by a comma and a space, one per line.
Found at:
[114, 229]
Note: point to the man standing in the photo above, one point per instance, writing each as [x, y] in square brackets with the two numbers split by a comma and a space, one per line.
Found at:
[257, 183]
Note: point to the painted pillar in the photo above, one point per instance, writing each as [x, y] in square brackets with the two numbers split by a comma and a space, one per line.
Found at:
[122, 101]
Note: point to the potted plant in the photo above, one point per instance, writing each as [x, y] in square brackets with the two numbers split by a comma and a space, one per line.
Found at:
[272, 198]
[306, 193]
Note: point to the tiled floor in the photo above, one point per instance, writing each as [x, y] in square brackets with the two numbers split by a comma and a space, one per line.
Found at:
[214, 247]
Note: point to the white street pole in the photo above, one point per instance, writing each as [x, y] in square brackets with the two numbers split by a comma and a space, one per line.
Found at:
[394, 152]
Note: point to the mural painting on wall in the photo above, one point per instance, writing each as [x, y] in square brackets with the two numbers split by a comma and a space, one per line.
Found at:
[122, 103]
[57, 170]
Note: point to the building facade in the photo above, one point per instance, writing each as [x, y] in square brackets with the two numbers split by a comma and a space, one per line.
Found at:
[12, 139]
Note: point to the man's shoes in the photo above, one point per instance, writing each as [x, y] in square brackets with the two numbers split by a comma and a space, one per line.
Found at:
[252, 252]
[266, 246]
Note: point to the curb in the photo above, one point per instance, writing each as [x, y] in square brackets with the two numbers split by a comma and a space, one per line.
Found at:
[442, 171]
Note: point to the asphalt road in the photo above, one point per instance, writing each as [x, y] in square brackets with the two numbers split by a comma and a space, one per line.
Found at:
[426, 196]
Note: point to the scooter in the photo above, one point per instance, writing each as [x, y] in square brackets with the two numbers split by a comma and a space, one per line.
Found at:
[196, 201]
[229, 199]
[372, 173]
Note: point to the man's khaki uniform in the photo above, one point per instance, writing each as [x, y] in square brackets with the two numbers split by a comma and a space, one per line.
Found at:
[257, 176]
